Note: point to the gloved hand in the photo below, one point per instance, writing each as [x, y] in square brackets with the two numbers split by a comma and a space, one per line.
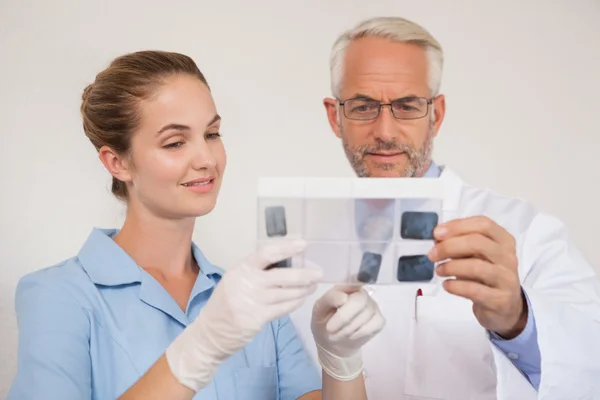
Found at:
[246, 298]
[343, 320]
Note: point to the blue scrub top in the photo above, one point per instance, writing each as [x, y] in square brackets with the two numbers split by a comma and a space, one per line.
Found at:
[91, 326]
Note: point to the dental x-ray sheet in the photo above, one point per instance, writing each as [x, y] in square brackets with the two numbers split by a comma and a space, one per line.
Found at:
[358, 230]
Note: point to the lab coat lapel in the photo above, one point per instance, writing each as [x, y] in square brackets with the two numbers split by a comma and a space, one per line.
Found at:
[449, 354]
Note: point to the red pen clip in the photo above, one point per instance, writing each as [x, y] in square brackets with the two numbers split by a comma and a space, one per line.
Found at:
[419, 294]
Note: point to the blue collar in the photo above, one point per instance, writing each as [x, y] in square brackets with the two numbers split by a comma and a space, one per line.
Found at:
[433, 171]
[108, 264]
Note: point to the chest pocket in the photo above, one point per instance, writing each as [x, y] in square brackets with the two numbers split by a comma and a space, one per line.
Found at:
[258, 383]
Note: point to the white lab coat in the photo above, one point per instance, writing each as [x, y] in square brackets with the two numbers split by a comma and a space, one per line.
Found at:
[436, 349]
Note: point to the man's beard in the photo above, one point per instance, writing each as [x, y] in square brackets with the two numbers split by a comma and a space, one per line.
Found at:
[418, 159]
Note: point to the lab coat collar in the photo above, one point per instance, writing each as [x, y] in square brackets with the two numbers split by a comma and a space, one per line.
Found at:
[453, 185]
[108, 264]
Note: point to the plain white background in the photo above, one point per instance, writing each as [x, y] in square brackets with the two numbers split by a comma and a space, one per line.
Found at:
[521, 79]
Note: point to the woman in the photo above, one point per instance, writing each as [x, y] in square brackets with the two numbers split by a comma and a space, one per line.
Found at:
[140, 313]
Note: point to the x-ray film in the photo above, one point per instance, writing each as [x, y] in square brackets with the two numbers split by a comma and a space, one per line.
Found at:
[369, 267]
[358, 230]
[418, 225]
[287, 263]
[275, 220]
[276, 227]
[416, 268]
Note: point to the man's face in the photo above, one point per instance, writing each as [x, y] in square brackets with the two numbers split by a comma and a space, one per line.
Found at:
[382, 70]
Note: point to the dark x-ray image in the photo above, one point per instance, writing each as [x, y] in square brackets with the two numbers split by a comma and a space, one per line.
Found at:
[369, 267]
[418, 225]
[275, 220]
[415, 269]
[277, 226]
[287, 263]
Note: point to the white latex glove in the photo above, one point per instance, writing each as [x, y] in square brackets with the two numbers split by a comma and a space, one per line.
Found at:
[343, 320]
[246, 298]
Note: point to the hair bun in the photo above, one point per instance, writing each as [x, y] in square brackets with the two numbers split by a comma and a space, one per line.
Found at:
[86, 92]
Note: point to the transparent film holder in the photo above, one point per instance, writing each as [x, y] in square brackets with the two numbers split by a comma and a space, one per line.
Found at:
[358, 230]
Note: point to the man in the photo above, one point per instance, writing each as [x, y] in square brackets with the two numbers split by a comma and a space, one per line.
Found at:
[515, 313]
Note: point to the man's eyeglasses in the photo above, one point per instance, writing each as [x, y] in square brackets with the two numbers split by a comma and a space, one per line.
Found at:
[363, 109]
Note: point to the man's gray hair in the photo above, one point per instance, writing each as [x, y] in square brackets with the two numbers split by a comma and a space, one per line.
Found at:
[398, 30]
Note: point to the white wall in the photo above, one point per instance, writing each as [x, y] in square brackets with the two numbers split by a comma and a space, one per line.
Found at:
[521, 81]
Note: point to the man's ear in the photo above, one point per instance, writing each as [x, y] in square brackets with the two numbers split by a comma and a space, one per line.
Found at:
[439, 111]
[115, 164]
[331, 108]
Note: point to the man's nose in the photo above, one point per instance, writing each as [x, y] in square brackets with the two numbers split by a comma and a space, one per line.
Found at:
[385, 128]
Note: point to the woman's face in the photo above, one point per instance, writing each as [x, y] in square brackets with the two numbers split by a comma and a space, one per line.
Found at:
[177, 155]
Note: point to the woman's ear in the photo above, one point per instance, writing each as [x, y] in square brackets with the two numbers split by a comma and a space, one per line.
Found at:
[118, 166]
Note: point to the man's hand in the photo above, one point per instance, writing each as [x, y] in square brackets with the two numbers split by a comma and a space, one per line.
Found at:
[484, 261]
